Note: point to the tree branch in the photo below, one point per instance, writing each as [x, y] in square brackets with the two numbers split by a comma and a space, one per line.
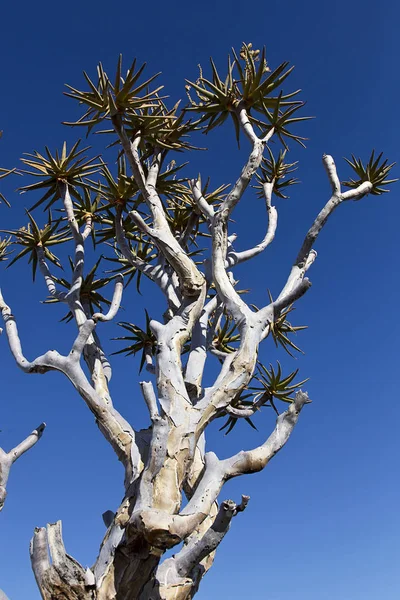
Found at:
[114, 427]
[235, 258]
[217, 472]
[182, 564]
[155, 273]
[48, 278]
[77, 276]
[115, 303]
[198, 349]
[7, 459]
[190, 278]
[206, 209]
[306, 255]
[251, 461]
[64, 573]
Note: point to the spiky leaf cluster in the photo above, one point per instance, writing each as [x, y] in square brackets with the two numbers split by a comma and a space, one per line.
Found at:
[86, 207]
[32, 237]
[122, 191]
[92, 300]
[128, 101]
[68, 167]
[226, 335]
[5, 173]
[376, 171]
[184, 217]
[281, 328]
[142, 340]
[117, 191]
[5, 252]
[276, 171]
[160, 127]
[250, 86]
[273, 385]
[142, 250]
[106, 99]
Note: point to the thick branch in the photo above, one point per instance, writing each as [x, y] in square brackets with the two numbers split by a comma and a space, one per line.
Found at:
[190, 278]
[251, 461]
[64, 574]
[113, 426]
[219, 229]
[198, 348]
[217, 472]
[182, 564]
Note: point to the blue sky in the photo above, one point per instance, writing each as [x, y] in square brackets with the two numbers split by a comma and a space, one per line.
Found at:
[323, 520]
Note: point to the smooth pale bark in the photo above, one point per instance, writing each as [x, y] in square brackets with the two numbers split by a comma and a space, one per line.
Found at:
[168, 460]
[7, 459]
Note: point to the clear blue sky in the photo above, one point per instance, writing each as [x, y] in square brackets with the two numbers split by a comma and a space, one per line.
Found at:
[323, 521]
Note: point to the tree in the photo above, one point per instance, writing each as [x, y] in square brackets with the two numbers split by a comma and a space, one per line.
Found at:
[149, 219]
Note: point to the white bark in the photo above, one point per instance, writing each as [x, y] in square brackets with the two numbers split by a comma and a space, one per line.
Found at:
[169, 458]
[7, 459]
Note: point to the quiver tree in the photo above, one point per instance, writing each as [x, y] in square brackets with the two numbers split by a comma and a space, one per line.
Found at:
[148, 217]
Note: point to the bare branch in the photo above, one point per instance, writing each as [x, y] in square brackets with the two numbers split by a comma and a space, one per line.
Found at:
[302, 261]
[307, 255]
[198, 348]
[27, 443]
[69, 210]
[48, 278]
[150, 399]
[206, 209]
[116, 430]
[241, 184]
[217, 472]
[330, 169]
[246, 125]
[182, 564]
[228, 295]
[358, 192]
[115, 303]
[85, 331]
[88, 227]
[7, 459]
[39, 556]
[13, 337]
[251, 461]
[148, 354]
[235, 258]
[190, 278]
[291, 296]
[64, 573]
